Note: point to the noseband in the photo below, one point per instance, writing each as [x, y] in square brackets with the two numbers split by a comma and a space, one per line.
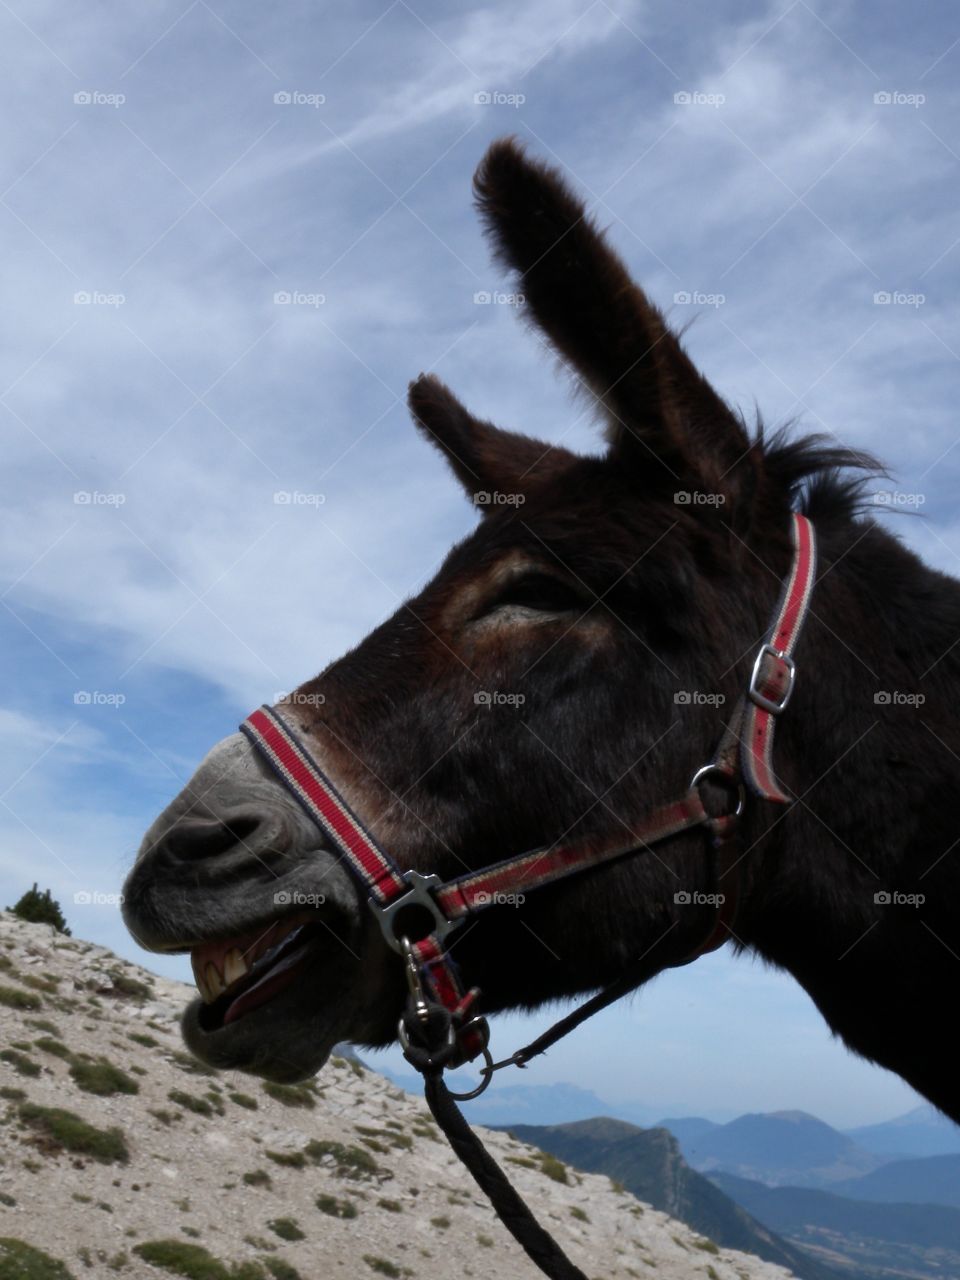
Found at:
[441, 1027]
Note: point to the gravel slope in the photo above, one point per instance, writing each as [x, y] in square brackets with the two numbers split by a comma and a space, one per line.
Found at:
[238, 1177]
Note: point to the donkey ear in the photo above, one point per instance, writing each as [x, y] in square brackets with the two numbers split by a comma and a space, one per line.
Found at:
[663, 414]
[483, 457]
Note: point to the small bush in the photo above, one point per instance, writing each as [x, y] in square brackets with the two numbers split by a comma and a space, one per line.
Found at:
[41, 1024]
[69, 1131]
[148, 1042]
[257, 1178]
[391, 1206]
[40, 908]
[189, 1102]
[335, 1208]
[441, 1222]
[17, 998]
[291, 1095]
[127, 986]
[706, 1245]
[20, 1261]
[47, 1044]
[102, 1078]
[348, 1162]
[286, 1229]
[579, 1214]
[244, 1100]
[11, 1094]
[23, 1065]
[289, 1159]
[281, 1270]
[381, 1266]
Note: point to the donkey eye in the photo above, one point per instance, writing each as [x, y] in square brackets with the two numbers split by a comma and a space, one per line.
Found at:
[541, 592]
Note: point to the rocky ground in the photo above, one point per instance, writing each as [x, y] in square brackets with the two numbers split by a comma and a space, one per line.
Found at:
[120, 1156]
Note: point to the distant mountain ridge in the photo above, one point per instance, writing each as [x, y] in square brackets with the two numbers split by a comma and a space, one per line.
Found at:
[649, 1163]
[780, 1148]
[924, 1131]
[891, 1239]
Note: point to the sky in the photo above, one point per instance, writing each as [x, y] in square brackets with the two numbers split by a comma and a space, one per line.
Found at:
[230, 236]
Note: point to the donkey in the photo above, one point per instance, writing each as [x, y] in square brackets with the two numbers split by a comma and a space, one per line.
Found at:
[571, 665]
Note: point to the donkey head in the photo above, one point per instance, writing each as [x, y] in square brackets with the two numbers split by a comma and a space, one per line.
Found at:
[566, 669]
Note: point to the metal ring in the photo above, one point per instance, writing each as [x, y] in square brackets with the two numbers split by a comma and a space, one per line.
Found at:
[487, 1073]
[724, 780]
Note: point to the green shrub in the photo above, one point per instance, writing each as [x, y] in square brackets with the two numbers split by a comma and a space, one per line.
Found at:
[348, 1162]
[286, 1229]
[289, 1159]
[67, 1130]
[102, 1078]
[244, 1100]
[706, 1245]
[335, 1208]
[40, 908]
[190, 1102]
[257, 1178]
[20, 1261]
[41, 1024]
[381, 1266]
[47, 1044]
[12, 1095]
[127, 986]
[17, 998]
[23, 1065]
[291, 1095]
[148, 1042]
[281, 1270]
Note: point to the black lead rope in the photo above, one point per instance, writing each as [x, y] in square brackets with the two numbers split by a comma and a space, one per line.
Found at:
[509, 1206]
[429, 1048]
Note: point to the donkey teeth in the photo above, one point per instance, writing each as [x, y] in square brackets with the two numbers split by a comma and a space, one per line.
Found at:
[213, 982]
[234, 966]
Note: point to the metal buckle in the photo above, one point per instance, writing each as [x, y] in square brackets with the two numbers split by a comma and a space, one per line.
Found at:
[722, 779]
[753, 692]
[420, 894]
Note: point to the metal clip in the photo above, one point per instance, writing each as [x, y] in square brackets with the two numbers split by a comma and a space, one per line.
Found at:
[420, 894]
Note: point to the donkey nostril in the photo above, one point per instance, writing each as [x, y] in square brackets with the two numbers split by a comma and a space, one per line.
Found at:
[206, 837]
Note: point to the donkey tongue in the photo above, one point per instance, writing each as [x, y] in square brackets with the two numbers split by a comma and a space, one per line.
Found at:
[277, 977]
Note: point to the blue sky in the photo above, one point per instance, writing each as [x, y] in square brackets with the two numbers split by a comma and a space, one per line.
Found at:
[739, 155]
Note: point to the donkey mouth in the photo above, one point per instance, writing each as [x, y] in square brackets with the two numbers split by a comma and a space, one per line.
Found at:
[240, 974]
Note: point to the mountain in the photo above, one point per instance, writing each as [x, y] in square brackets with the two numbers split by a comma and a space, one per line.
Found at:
[924, 1131]
[917, 1240]
[929, 1180]
[648, 1163]
[123, 1156]
[505, 1102]
[782, 1147]
[686, 1129]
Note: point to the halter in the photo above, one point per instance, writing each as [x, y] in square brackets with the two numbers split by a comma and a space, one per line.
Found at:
[441, 1027]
